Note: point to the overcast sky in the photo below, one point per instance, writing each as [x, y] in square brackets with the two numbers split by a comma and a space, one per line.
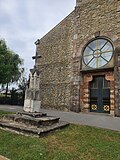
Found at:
[22, 22]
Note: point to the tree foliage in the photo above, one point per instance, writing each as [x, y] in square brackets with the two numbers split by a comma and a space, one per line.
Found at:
[22, 82]
[10, 65]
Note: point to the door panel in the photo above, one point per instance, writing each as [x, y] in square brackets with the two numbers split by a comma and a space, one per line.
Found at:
[100, 95]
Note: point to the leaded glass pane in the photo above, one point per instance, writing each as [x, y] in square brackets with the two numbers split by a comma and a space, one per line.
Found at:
[88, 52]
[101, 62]
[92, 45]
[93, 63]
[98, 53]
[102, 42]
[107, 55]
[107, 47]
[88, 58]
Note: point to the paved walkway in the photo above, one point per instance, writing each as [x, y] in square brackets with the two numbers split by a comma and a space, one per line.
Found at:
[97, 120]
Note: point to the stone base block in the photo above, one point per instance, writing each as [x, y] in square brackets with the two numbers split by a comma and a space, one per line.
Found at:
[27, 104]
[32, 105]
[112, 113]
[35, 106]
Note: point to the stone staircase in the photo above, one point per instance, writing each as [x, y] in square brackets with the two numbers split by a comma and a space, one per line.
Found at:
[34, 124]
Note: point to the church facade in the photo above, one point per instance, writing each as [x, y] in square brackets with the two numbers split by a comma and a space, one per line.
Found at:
[79, 68]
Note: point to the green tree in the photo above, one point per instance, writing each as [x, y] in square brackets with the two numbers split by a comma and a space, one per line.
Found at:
[10, 65]
[22, 82]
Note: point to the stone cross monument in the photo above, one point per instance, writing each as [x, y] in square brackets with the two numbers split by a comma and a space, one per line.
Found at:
[32, 101]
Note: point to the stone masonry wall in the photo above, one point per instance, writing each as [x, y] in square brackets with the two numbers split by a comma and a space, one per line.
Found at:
[117, 65]
[117, 81]
[61, 51]
[92, 18]
[56, 49]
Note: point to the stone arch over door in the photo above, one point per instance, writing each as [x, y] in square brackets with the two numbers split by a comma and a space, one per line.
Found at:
[85, 90]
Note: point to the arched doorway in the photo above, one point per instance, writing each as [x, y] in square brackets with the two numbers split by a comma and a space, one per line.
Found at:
[99, 95]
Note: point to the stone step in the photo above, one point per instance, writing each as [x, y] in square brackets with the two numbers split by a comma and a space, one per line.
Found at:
[31, 121]
[33, 114]
[32, 131]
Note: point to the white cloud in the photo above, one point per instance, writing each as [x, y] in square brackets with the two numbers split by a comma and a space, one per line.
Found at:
[23, 22]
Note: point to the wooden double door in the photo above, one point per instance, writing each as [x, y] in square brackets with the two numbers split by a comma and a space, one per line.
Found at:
[100, 95]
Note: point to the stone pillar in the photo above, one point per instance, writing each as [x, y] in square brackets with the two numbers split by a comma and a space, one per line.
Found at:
[110, 77]
[85, 92]
[32, 95]
[117, 81]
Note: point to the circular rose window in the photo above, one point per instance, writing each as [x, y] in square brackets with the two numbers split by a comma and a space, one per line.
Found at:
[98, 53]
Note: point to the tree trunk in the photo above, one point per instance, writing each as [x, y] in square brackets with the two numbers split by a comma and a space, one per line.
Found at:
[6, 90]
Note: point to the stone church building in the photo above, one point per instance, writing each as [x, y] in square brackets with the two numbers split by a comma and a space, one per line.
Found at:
[79, 68]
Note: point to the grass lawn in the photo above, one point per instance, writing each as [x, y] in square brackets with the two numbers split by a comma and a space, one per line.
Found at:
[75, 142]
[4, 112]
